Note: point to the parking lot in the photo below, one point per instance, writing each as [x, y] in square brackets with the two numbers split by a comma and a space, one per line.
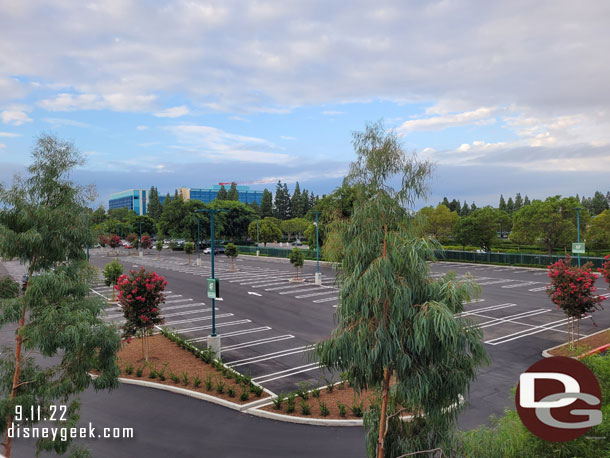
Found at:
[268, 323]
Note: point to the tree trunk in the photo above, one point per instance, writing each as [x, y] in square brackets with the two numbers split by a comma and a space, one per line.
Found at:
[17, 373]
[383, 415]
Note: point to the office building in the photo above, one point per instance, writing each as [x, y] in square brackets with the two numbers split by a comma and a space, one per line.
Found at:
[133, 199]
[207, 195]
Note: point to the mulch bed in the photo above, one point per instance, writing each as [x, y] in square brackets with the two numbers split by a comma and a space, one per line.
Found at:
[346, 396]
[584, 345]
[164, 353]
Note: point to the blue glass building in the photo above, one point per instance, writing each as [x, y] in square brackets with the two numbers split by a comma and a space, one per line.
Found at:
[133, 199]
[207, 195]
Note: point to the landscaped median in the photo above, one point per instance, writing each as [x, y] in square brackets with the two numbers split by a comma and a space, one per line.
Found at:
[178, 366]
[590, 345]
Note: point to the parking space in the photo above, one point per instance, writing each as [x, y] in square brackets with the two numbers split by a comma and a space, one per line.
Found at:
[267, 323]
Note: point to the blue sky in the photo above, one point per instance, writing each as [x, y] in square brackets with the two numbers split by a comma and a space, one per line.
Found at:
[503, 97]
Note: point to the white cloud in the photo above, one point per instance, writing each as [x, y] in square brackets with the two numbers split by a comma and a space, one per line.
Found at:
[286, 137]
[15, 115]
[216, 144]
[2, 145]
[58, 122]
[332, 113]
[174, 112]
[9, 134]
[113, 101]
[448, 120]
[142, 127]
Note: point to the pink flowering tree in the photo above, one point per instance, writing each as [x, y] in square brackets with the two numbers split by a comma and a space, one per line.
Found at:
[140, 294]
[605, 269]
[146, 242]
[573, 289]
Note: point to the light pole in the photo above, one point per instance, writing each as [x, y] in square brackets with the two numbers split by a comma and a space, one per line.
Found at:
[213, 339]
[578, 230]
[198, 242]
[318, 277]
[257, 232]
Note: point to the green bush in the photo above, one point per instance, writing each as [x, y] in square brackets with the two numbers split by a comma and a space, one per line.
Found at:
[290, 402]
[9, 288]
[323, 409]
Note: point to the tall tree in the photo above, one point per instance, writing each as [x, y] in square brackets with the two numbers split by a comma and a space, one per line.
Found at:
[465, 209]
[397, 332]
[598, 204]
[478, 229]
[473, 207]
[222, 193]
[233, 194]
[256, 207]
[266, 204]
[510, 205]
[439, 221]
[502, 204]
[305, 202]
[98, 216]
[518, 202]
[282, 201]
[598, 233]
[296, 204]
[445, 202]
[43, 222]
[526, 201]
[153, 206]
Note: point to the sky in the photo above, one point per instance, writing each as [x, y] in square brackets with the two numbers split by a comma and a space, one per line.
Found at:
[503, 97]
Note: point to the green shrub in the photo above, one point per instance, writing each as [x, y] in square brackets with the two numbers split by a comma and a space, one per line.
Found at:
[9, 288]
[245, 393]
[305, 410]
[231, 392]
[357, 409]
[329, 385]
[342, 409]
[220, 386]
[290, 402]
[174, 377]
[162, 372]
[315, 392]
[196, 382]
[152, 373]
[185, 378]
[139, 371]
[128, 369]
[302, 390]
[324, 409]
[257, 390]
[208, 383]
[278, 400]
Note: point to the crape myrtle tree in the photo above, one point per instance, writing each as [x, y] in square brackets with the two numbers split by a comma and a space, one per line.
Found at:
[297, 260]
[111, 273]
[231, 252]
[159, 247]
[140, 295]
[43, 223]
[573, 289]
[397, 332]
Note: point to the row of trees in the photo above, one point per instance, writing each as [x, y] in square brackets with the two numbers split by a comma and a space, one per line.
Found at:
[551, 224]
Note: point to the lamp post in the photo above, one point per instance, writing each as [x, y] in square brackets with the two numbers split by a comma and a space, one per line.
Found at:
[198, 242]
[578, 230]
[213, 339]
[318, 277]
[257, 232]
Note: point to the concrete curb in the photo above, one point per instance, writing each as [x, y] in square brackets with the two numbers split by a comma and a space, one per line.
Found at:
[546, 354]
[300, 420]
[184, 391]
[308, 262]
[485, 263]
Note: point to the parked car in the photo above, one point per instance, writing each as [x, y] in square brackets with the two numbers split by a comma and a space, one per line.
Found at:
[217, 250]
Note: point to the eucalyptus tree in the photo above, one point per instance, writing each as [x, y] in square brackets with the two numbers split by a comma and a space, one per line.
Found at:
[397, 332]
[43, 223]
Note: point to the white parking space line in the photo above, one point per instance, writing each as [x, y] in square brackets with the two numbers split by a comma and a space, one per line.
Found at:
[529, 332]
[246, 331]
[183, 306]
[485, 309]
[209, 326]
[528, 283]
[273, 283]
[177, 300]
[541, 288]
[510, 318]
[299, 285]
[287, 373]
[254, 343]
[495, 282]
[185, 312]
[192, 320]
[326, 299]
[298, 291]
[268, 356]
[262, 279]
[324, 293]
